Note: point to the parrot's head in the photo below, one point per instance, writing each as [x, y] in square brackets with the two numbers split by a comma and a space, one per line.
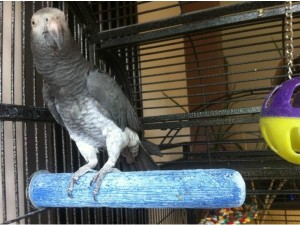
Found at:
[48, 27]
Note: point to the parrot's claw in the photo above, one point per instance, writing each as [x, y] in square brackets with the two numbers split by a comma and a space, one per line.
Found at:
[93, 179]
[98, 178]
[95, 192]
[70, 193]
[71, 186]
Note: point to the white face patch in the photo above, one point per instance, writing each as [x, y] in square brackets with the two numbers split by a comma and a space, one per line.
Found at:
[47, 28]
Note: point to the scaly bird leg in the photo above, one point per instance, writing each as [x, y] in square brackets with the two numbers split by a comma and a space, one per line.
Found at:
[108, 167]
[90, 155]
[116, 140]
[81, 171]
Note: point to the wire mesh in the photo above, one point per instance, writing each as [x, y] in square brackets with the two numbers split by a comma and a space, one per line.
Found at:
[196, 75]
[201, 87]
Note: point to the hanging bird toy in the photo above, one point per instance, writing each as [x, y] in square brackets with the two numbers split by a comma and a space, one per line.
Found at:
[280, 113]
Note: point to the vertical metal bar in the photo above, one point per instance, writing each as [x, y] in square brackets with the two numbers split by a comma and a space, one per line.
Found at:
[3, 178]
[63, 161]
[63, 149]
[12, 95]
[47, 160]
[80, 37]
[54, 147]
[65, 9]
[34, 104]
[66, 12]
[25, 130]
[79, 165]
[100, 9]
[25, 147]
[117, 14]
[109, 19]
[2, 156]
[1, 50]
[72, 169]
[109, 15]
[60, 5]
[86, 52]
[127, 216]
[74, 28]
[124, 13]
[36, 147]
[35, 124]
[49, 4]
[130, 12]
[100, 18]
[55, 161]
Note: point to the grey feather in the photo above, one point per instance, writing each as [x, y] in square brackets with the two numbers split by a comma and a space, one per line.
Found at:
[50, 102]
[89, 103]
[110, 97]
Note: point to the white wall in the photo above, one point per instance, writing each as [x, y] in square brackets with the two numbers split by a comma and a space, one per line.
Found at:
[10, 127]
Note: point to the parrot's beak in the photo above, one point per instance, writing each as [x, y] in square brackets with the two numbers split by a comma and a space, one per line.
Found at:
[55, 31]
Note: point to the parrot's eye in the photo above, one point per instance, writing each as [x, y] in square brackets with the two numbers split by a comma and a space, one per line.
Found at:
[32, 23]
[47, 19]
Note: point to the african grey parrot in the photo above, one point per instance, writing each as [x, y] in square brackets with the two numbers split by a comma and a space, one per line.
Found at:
[89, 103]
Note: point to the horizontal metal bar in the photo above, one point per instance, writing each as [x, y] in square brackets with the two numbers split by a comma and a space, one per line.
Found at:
[24, 113]
[216, 23]
[186, 18]
[273, 192]
[208, 133]
[239, 154]
[229, 161]
[271, 173]
[211, 143]
[201, 122]
[197, 115]
[265, 170]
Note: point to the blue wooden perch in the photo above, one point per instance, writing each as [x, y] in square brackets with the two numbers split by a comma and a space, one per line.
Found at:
[209, 188]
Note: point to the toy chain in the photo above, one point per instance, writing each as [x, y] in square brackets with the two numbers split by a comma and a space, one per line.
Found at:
[289, 38]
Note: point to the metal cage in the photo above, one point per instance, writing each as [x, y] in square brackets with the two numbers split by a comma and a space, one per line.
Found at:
[197, 74]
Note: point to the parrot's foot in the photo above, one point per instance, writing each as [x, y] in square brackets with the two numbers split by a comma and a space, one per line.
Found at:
[98, 178]
[81, 171]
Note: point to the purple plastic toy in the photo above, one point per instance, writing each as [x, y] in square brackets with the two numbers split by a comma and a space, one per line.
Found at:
[281, 102]
[280, 120]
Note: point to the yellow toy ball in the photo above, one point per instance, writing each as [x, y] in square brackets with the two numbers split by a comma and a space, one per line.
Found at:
[280, 120]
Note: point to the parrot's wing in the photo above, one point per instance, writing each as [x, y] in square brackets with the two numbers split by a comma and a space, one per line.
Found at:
[50, 102]
[112, 101]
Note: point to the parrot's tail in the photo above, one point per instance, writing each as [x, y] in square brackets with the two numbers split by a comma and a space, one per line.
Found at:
[143, 161]
[150, 148]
